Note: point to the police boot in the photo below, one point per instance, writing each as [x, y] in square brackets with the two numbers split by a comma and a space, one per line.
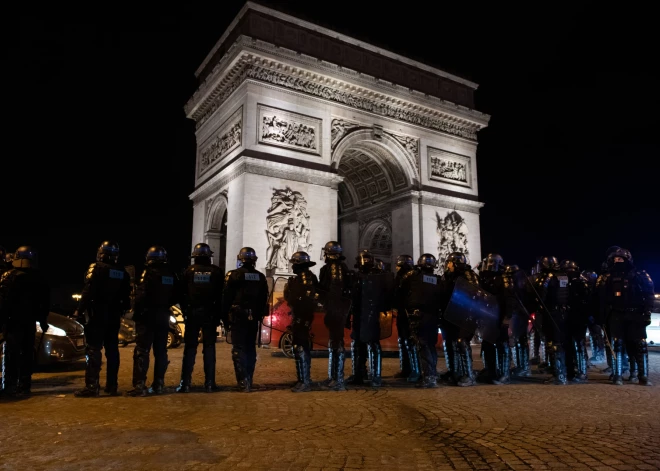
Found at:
[466, 364]
[209, 371]
[242, 380]
[24, 386]
[139, 390]
[92, 372]
[184, 386]
[157, 387]
[642, 358]
[610, 361]
[404, 360]
[375, 364]
[356, 377]
[504, 366]
[634, 375]
[489, 358]
[617, 369]
[338, 383]
[331, 366]
[581, 375]
[626, 361]
[305, 368]
[413, 357]
[560, 367]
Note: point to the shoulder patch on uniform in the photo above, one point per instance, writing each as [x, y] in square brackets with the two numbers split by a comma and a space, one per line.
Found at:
[252, 277]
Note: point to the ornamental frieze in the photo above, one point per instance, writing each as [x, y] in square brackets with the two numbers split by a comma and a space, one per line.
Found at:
[320, 90]
[226, 140]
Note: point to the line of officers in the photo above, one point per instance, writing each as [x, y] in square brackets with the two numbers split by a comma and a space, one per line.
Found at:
[564, 302]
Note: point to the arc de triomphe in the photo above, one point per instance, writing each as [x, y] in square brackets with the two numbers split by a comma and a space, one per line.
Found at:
[305, 135]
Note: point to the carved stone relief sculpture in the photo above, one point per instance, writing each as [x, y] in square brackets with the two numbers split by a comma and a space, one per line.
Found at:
[453, 232]
[340, 128]
[226, 140]
[287, 228]
[448, 167]
[287, 129]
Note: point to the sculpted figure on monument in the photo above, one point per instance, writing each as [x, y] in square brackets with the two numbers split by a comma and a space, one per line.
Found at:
[287, 227]
[453, 233]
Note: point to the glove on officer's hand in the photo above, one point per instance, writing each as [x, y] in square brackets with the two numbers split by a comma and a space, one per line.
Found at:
[44, 326]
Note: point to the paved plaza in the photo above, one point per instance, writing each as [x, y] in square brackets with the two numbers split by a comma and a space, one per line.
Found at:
[526, 425]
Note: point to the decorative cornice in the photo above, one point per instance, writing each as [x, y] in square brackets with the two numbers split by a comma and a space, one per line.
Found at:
[450, 202]
[266, 168]
[458, 120]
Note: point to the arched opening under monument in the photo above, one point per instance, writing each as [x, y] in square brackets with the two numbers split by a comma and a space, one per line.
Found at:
[216, 231]
[373, 178]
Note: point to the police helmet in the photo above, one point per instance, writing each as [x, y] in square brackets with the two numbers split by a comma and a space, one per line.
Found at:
[379, 264]
[511, 269]
[301, 259]
[620, 253]
[403, 260]
[454, 258]
[549, 262]
[611, 250]
[493, 262]
[25, 256]
[569, 265]
[364, 259]
[108, 250]
[201, 250]
[247, 255]
[333, 250]
[589, 276]
[427, 260]
[156, 253]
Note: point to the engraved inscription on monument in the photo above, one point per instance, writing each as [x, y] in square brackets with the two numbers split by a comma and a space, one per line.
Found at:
[290, 130]
[226, 140]
[448, 167]
[453, 232]
[287, 228]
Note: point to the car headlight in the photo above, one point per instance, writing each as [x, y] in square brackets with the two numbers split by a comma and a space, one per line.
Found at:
[172, 319]
[656, 296]
[52, 330]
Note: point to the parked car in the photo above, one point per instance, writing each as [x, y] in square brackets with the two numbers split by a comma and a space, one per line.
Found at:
[280, 318]
[63, 342]
[127, 330]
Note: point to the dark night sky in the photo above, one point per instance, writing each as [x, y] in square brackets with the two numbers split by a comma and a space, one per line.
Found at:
[97, 145]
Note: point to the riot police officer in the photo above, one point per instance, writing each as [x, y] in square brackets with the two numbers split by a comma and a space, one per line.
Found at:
[457, 338]
[201, 303]
[408, 357]
[244, 304]
[24, 301]
[301, 294]
[157, 290]
[493, 279]
[595, 330]
[335, 280]
[420, 290]
[372, 296]
[627, 294]
[551, 293]
[104, 299]
[519, 320]
[578, 303]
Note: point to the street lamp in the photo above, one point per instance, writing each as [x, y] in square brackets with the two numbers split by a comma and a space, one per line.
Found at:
[76, 296]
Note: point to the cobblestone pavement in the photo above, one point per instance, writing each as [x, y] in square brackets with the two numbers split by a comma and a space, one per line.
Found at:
[525, 425]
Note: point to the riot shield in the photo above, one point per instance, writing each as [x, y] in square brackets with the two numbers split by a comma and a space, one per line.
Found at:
[474, 310]
[375, 307]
